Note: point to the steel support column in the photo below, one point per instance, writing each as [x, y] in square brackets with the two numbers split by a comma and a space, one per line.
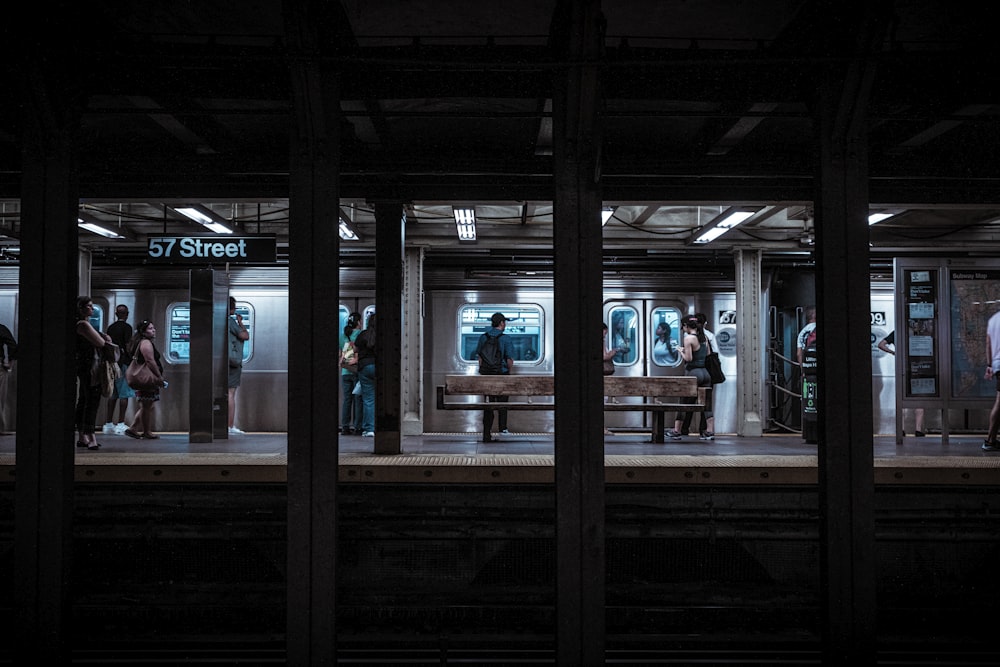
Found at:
[749, 324]
[46, 391]
[313, 289]
[413, 342]
[846, 466]
[390, 232]
[579, 419]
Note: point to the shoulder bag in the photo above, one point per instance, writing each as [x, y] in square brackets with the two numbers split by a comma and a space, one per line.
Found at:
[714, 366]
[139, 375]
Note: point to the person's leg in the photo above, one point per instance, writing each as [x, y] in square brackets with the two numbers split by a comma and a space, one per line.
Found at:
[347, 382]
[706, 420]
[81, 408]
[488, 421]
[149, 419]
[139, 418]
[919, 415]
[502, 426]
[994, 419]
[232, 407]
[368, 399]
[685, 427]
[92, 403]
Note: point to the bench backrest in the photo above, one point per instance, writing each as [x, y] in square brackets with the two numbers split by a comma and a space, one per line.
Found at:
[671, 385]
[544, 385]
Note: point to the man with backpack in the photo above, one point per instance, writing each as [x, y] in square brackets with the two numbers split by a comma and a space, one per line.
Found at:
[493, 352]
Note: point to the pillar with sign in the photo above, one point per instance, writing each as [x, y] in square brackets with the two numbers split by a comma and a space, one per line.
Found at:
[810, 390]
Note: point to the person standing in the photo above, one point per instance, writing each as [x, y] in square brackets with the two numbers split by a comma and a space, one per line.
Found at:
[493, 353]
[364, 348]
[237, 335]
[709, 392]
[8, 355]
[88, 342]
[121, 333]
[694, 349]
[888, 344]
[352, 408]
[142, 349]
[608, 359]
[993, 373]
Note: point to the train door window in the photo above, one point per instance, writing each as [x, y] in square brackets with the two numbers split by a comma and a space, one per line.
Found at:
[624, 331]
[367, 314]
[344, 313]
[245, 311]
[97, 317]
[179, 333]
[525, 330]
[665, 334]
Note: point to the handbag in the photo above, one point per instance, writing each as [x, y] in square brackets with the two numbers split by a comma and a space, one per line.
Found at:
[714, 366]
[108, 374]
[609, 366]
[139, 375]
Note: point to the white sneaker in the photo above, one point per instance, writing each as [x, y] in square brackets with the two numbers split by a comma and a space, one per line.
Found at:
[368, 434]
[120, 428]
[108, 429]
[235, 431]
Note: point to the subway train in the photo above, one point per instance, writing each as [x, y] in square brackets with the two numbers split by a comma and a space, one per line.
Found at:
[634, 307]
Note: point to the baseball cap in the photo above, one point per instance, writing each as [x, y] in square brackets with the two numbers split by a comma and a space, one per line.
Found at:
[498, 318]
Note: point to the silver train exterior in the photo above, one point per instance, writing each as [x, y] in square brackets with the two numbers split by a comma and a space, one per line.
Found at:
[150, 292]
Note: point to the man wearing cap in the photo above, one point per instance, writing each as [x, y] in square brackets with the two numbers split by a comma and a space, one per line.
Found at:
[504, 362]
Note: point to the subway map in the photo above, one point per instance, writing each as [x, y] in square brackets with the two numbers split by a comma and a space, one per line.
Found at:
[975, 297]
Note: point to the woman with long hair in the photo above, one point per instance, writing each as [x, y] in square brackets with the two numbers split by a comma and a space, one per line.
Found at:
[142, 350]
[89, 341]
[693, 351]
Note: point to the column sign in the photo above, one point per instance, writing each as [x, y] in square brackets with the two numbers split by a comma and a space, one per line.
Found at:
[208, 249]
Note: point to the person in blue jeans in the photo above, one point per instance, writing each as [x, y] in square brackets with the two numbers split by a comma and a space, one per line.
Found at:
[350, 411]
[364, 348]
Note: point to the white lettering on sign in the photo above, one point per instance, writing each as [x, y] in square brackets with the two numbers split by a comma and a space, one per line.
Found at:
[195, 247]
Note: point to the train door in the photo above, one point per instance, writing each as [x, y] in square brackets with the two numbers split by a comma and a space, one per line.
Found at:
[625, 336]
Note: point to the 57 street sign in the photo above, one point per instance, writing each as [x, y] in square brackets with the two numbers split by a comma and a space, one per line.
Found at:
[206, 249]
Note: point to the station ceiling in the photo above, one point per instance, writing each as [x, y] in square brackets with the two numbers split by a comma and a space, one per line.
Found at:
[707, 105]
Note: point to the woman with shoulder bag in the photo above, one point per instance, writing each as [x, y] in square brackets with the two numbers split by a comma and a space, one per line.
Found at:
[89, 344]
[145, 375]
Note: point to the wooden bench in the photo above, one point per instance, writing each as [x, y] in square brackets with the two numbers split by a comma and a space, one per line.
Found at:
[642, 394]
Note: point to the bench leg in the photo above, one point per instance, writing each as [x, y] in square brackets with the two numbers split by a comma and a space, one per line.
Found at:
[658, 426]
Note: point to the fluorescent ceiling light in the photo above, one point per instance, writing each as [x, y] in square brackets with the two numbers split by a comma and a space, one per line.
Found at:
[204, 217]
[606, 214]
[875, 218]
[95, 228]
[465, 223]
[722, 224]
[347, 232]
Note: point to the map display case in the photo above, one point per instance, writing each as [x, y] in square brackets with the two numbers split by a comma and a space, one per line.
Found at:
[942, 308]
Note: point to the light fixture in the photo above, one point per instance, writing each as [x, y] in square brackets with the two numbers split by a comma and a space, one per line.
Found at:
[721, 224]
[878, 217]
[204, 217]
[347, 231]
[92, 226]
[465, 223]
[606, 214]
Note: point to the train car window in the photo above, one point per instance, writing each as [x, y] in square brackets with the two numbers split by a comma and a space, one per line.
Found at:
[178, 346]
[624, 332]
[665, 334]
[525, 330]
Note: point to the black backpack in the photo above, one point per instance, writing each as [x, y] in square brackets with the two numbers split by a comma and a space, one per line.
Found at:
[492, 360]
